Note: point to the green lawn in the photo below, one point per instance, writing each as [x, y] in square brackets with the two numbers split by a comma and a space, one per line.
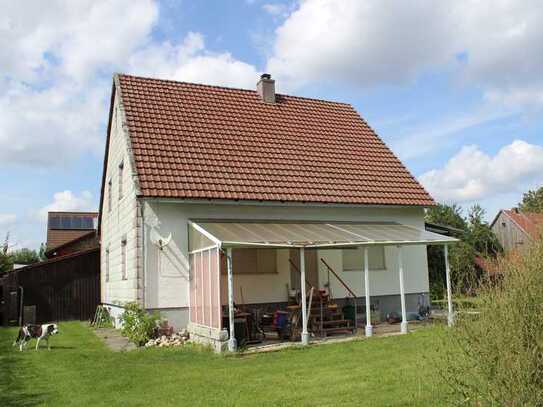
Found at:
[79, 370]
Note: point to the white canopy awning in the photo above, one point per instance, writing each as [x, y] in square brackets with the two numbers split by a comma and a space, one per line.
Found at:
[309, 234]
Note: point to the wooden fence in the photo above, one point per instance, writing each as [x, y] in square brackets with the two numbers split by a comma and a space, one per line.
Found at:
[59, 289]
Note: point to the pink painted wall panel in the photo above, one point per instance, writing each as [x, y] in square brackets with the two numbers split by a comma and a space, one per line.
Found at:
[214, 287]
[192, 290]
[205, 290]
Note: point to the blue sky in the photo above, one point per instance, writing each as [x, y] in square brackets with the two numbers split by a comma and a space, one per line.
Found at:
[455, 89]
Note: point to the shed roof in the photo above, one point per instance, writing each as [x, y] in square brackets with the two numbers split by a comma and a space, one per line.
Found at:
[194, 141]
[312, 235]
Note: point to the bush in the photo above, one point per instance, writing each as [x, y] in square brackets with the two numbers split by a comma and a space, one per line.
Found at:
[496, 357]
[137, 324]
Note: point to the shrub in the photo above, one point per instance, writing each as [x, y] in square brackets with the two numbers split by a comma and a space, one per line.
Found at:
[496, 357]
[137, 324]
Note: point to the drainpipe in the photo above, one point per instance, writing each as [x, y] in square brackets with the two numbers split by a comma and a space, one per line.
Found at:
[450, 315]
[369, 327]
[403, 326]
[232, 344]
[144, 254]
[305, 334]
[21, 302]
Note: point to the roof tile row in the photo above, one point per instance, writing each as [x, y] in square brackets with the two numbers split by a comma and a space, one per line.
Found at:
[206, 142]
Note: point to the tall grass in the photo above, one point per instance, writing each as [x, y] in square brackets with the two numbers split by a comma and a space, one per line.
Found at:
[496, 357]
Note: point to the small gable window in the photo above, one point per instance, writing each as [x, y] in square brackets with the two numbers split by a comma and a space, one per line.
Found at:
[124, 270]
[121, 171]
[107, 264]
[109, 192]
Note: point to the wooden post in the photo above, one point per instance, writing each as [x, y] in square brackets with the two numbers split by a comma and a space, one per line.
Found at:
[369, 327]
[305, 334]
[450, 314]
[232, 344]
[403, 326]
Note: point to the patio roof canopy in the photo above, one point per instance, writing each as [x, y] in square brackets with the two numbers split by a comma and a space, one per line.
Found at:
[242, 234]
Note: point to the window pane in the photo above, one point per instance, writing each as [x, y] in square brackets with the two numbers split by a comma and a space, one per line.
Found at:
[66, 222]
[76, 222]
[54, 222]
[254, 261]
[353, 259]
[86, 222]
[376, 257]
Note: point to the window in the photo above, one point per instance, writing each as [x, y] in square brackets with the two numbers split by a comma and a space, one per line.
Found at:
[72, 222]
[121, 168]
[353, 259]
[54, 222]
[123, 259]
[109, 192]
[254, 261]
[107, 264]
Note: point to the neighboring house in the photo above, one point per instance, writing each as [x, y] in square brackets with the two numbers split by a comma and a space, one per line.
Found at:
[515, 229]
[209, 193]
[66, 285]
[69, 232]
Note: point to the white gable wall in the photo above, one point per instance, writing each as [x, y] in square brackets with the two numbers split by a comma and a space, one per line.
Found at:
[121, 221]
[167, 275]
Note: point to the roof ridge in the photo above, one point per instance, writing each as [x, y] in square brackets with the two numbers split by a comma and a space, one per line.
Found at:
[252, 91]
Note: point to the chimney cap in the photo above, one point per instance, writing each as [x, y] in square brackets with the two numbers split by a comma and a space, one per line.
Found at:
[265, 76]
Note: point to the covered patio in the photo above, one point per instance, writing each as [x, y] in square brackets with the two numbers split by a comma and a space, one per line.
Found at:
[211, 240]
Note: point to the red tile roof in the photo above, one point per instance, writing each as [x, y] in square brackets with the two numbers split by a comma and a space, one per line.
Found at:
[530, 222]
[205, 142]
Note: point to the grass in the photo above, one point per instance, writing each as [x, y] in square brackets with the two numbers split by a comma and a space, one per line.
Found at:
[79, 370]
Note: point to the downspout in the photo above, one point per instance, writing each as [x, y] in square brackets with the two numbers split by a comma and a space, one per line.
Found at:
[21, 307]
[144, 254]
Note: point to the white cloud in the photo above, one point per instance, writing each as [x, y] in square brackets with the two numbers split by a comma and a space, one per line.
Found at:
[68, 201]
[278, 9]
[7, 219]
[471, 174]
[36, 37]
[361, 42]
[190, 61]
[369, 43]
[419, 141]
[56, 61]
[50, 126]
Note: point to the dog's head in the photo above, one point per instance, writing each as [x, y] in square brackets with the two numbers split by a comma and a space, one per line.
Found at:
[52, 329]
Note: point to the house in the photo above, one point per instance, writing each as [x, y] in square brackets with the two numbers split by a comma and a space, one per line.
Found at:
[69, 232]
[515, 229]
[215, 196]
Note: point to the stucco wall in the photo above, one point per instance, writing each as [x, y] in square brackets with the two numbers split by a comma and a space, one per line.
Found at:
[167, 275]
[121, 221]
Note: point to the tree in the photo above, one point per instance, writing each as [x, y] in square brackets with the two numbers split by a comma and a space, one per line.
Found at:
[476, 239]
[448, 215]
[532, 201]
[480, 236]
[24, 256]
[6, 264]
[41, 252]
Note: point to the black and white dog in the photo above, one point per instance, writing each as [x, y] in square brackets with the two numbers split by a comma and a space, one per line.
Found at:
[27, 332]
